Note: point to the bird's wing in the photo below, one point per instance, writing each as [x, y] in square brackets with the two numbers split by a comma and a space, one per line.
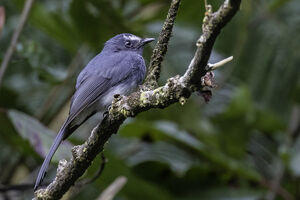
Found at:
[98, 79]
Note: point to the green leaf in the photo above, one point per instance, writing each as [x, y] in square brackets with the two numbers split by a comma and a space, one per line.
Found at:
[136, 152]
[173, 131]
[39, 136]
[168, 131]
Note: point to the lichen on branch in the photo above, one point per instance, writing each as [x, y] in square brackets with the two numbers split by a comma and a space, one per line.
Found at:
[161, 46]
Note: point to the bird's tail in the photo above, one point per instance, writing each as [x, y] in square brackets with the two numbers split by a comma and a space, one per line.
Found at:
[59, 138]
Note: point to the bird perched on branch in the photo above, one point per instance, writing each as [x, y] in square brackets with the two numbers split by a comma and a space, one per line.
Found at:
[118, 69]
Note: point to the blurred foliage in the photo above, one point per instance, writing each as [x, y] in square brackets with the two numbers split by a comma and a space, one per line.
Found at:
[238, 146]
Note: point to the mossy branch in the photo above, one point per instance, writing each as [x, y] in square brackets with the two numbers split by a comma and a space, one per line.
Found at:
[161, 46]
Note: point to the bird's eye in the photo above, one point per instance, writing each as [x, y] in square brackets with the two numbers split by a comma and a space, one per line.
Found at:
[128, 44]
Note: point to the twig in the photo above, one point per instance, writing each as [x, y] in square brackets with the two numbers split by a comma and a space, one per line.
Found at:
[14, 40]
[205, 4]
[175, 89]
[211, 67]
[2, 18]
[110, 192]
[161, 46]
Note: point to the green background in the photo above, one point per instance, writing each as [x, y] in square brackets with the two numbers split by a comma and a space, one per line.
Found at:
[242, 145]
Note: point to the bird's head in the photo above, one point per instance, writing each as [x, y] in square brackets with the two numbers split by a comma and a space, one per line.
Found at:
[127, 42]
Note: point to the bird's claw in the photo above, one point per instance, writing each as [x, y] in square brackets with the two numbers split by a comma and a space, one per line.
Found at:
[106, 112]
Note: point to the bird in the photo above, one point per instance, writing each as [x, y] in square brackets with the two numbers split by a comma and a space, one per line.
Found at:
[117, 70]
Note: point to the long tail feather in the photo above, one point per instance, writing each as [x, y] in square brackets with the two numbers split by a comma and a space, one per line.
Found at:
[59, 138]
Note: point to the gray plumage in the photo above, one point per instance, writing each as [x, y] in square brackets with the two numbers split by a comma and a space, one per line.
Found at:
[118, 69]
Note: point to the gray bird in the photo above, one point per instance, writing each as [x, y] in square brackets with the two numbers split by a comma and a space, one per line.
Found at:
[118, 69]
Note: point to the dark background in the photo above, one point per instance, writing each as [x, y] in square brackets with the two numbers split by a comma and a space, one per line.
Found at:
[242, 145]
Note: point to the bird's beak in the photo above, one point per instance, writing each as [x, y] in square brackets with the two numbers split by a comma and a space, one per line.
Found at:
[147, 40]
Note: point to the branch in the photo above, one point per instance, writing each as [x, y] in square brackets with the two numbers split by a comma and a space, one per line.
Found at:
[176, 89]
[212, 26]
[14, 40]
[161, 46]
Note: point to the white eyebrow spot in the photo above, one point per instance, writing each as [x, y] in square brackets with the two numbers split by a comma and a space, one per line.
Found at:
[131, 37]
